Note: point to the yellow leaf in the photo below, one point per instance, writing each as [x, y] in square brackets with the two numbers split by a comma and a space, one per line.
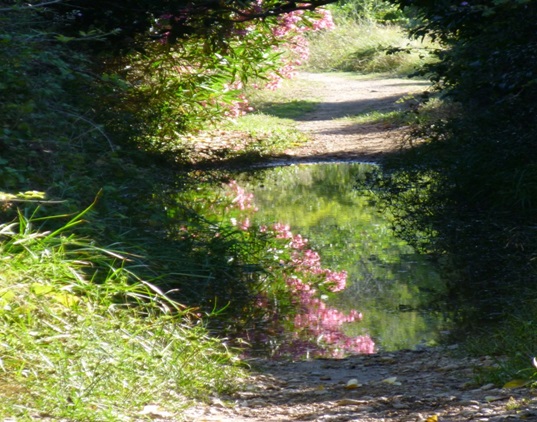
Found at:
[516, 383]
[66, 299]
[41, 289]
[433, 418]
[6, 297]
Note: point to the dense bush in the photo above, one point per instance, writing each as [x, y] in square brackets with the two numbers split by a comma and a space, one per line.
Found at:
[378, 11]
[466, 191]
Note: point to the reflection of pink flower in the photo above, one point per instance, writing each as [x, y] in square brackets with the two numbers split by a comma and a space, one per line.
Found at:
[298, 242]
[242, 199]
[303, 275]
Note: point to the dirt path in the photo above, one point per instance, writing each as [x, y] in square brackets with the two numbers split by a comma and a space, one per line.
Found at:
[336, 138]
[425, 385]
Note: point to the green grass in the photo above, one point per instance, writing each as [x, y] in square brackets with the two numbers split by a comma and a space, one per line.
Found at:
[291, 109]
[272, 124]
[83, 338]
[295, 91]
[274, 134]
[512, 344]
[389, 118]
[415, 111]
[363, 47]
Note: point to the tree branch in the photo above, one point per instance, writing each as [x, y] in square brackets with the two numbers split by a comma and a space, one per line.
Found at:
[30, 6]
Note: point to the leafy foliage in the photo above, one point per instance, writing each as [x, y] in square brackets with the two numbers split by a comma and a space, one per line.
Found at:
[83, 337]
[378, 11]
[466, 190]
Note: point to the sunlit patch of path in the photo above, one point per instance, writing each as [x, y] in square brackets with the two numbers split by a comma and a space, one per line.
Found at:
[345, 95]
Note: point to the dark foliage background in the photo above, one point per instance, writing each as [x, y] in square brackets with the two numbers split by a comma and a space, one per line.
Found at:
[467, 190]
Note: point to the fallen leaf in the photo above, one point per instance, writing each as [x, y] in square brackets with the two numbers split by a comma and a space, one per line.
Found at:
[433, 418]
[350, 402]
[516, 383]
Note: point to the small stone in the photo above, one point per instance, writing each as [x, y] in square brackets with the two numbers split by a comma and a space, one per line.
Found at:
[216, 402]
[352, 384]
[468, 412]
[470, 403]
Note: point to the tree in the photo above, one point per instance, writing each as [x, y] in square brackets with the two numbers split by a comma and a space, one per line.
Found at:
[470, 185]
[134, 22]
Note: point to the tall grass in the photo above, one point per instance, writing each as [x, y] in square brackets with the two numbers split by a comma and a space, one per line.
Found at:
[365, 46]
[83, 338]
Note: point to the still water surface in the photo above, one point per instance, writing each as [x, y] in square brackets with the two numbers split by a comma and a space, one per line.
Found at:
[388, 282]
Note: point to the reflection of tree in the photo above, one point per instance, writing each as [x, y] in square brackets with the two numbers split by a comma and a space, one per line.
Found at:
[344, 227]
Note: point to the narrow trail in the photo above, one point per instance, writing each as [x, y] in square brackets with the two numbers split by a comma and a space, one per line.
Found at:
[334, 135]
[424, 386]
[427, 385]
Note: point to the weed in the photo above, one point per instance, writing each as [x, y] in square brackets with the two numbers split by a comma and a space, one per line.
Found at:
[85, 350]
[366, 47]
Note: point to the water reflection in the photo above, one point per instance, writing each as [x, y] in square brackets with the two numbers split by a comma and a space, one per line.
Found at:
[388, 282]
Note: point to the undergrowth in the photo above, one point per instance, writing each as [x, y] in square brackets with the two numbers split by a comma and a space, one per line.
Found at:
[84, 338]
[366, 47]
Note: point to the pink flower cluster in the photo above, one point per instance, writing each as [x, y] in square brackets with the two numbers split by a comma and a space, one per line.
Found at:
[238, 107]
[292, 28]
[288, 33]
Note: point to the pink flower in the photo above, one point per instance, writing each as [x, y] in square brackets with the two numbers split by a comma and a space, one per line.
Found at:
[244, 225]
[282, 231]
[336, 281]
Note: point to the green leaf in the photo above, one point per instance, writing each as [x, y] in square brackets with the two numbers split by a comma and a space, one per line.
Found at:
[516, 383]
[63, 38]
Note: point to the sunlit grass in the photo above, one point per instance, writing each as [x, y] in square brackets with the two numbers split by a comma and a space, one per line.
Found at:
[389, 118]
[294, 90]
[83, 338]
[272, 123]
[364, 47]
[413, 111]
